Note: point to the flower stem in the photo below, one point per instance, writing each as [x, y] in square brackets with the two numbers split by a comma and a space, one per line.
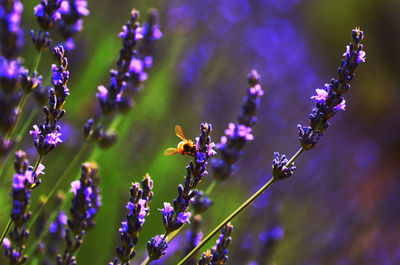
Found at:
[210, 187]
[18, 142]
[5, 232]
[237, 211]
[36, 61]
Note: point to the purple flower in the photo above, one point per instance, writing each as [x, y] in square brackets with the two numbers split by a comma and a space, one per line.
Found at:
[40, 169]
[167, 210]
[241, 130]
[88, 192]
[321, 96]
[124, 227]
[80, 6]
[102, 95]
[139, 32]
[53, 138]
[361, 56]
[341, 105]
[130, 206]
[143, 210]
[62, 218]
[184, 217]
[35, 132]
[136, 66]
[75, 186]
[6, 243]
[19, 181]
[347, 52]
[148, 62]
[256, 90]
[39, 10]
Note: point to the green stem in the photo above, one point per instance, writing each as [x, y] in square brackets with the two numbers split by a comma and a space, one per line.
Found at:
[17, 145]
[210, 187]
[36, 62]
[19, 108]
[5, 232]
[66, 173]
[236, 212]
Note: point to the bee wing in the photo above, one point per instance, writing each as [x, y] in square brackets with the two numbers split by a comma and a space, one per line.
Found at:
[171, 151]
[179, 132]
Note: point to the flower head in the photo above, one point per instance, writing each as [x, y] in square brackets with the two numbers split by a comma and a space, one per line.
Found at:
[321, 96]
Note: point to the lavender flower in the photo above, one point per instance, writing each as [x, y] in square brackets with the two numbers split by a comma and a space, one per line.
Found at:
[138, 207]
[23, 181]
[72, 12]
[46, 135]
[85, 205]
[219, 253]
[156, 247]
[174, 217]
[280, 169]
[110, 97]
[329, 99]
[237, 135]
[132, 67]
[47, 13]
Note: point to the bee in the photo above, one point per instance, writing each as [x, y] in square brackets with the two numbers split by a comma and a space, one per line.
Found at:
[185, 147]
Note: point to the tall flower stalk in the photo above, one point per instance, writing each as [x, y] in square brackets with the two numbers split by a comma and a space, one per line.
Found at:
[138, 207]
[174, 217]
[328, 102]
[85, 205]
[24, 179]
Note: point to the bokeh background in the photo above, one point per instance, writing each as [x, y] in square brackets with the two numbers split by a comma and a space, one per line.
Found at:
[342, 204]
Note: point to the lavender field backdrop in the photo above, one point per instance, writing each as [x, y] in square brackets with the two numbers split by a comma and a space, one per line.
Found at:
[341, 206]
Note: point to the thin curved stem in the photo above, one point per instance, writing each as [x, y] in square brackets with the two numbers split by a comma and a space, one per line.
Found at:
[36, 61]
[6, 230]
[17, 145]
[210, 187]
[236, 212]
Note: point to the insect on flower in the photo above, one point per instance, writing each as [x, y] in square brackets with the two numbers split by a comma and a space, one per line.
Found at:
[185, 147]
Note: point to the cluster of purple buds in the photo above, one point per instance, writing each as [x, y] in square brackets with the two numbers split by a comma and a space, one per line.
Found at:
[72, 12]
[84, 208]
[156, 247]
[132, 65]
[24, 180]
[138, 207]
[11, 42]
[174, 217]
[329, 99]
[280, 169]
[47, 14]
[46, 135]
[237, 135]
[219, 253]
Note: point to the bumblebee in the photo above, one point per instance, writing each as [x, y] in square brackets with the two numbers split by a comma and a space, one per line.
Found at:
[185, 147]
